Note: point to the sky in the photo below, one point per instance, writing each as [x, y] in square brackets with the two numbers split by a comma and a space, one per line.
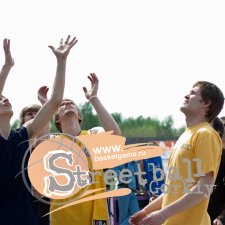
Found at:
[146, 54]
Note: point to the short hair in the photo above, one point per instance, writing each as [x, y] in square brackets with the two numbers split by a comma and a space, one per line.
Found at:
[218, 126]
[31, 108]
[210, 92]
[56, 116]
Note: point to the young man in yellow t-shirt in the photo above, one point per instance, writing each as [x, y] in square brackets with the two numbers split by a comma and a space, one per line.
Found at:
[68, 119]
[193, 164]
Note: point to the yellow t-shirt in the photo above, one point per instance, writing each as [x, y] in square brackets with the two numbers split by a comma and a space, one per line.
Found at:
[197, 152]
[84, 213]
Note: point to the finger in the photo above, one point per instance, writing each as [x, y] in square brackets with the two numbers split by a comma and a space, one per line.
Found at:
[61, 41]
[95, 78]
[51, 47]
[72, 41]
[42, 87]
[85, 90]
[45, 90]
[5, 44]
[70, 46]
[8, 44]
[90, 78]
[67, 40]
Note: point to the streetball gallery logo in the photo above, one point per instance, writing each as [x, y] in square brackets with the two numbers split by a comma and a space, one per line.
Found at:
[68, 168]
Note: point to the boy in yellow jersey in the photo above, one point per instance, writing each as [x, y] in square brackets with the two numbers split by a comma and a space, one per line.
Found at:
[193, 164]
[68, 119]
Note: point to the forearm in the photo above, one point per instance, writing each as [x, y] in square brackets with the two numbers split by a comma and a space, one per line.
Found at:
[187, 201]
[154, 205]
[3, 76]
[107, 121]
[59, 83]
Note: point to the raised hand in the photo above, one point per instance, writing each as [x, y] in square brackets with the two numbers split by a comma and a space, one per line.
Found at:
[42, 94]
[94, 86]
[64, 48]
[8, 58]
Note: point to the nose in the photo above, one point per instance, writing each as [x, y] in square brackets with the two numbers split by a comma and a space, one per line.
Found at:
[187, 96]
[6, 100]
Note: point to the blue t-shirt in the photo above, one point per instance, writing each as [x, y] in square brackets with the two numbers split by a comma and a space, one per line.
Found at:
[15, 200]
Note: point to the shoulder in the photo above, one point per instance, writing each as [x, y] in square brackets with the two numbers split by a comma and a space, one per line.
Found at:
[21, 133]
[206, 131]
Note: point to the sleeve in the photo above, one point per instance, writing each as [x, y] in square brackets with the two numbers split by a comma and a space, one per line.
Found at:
[208, 149]
[22, 139]
[22, 133]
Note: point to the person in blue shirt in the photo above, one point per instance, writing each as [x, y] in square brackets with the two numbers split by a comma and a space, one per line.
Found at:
[16, 206]
[128, 204]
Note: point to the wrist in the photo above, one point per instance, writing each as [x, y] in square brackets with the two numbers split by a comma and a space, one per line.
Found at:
[144, 211]
[92, 97]
[7, 66]
[166, 213]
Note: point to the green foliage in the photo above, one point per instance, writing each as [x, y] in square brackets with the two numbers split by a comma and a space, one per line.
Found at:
[15, 125]
[130, 127]
[53, 128]
[89, 119]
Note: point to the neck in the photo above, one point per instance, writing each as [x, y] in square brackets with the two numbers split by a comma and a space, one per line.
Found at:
[194, 120]
[5, 127]
[70, 126]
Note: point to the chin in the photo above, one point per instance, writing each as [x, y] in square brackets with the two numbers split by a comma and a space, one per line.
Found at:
[182, 108]
[69, 112]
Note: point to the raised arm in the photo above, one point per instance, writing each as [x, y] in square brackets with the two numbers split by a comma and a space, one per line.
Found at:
[106, 119]
[45, 113]
[9, 63]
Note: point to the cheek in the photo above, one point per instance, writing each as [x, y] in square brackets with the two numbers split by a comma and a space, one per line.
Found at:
[27, 118]
[60, 113]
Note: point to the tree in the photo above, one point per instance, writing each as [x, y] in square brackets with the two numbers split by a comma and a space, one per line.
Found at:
[89, 119]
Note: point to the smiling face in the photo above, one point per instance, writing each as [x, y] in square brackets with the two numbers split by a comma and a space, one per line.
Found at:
[5, 106]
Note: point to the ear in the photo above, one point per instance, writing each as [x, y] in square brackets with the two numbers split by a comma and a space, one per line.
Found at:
[206, 104]
[57, 120]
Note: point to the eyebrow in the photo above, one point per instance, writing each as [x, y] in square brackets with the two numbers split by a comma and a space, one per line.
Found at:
[2, 96]
[192, 92]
